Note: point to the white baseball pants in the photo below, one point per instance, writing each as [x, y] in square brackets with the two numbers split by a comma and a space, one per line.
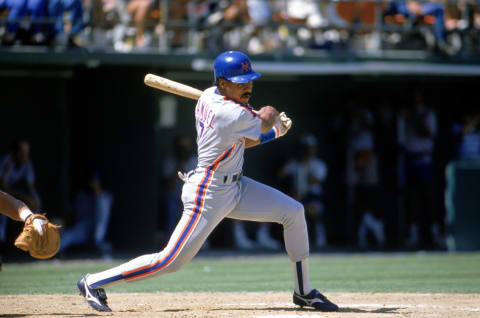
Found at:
[207, 200]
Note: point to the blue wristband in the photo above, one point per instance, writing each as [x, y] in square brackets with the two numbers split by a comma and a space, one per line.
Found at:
[268, 136]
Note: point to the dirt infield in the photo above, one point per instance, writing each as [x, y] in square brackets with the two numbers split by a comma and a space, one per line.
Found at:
[246, 304]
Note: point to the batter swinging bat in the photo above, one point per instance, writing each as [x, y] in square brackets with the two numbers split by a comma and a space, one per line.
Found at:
[177, 88]
[170, 86]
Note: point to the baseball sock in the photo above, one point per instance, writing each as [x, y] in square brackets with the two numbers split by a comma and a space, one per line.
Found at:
[107, 275]
[302, 279]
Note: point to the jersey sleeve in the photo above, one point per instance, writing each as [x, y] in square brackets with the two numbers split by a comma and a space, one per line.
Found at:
[247, 125]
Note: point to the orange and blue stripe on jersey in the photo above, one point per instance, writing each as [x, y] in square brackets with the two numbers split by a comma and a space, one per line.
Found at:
[247, 107]
[185, 234]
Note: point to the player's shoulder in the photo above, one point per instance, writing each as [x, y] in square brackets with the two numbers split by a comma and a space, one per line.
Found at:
[211, 95]
[209, 92]
[244, 109]
[228, 106]
[240, 110]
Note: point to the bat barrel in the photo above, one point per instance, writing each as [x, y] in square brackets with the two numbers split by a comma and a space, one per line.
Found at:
[170, 86]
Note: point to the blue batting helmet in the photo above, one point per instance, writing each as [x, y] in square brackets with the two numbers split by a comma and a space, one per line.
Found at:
[235, 67]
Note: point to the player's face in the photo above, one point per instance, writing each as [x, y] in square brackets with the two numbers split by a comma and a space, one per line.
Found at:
[240, 92]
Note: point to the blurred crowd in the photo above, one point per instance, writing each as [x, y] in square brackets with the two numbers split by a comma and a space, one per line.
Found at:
[393, 160]
[254, 26]
[85, 224]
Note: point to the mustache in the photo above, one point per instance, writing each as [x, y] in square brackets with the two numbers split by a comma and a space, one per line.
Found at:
[247, 94]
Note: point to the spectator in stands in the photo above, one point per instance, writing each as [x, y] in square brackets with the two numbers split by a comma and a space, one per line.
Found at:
[56, 11]
[91, 212]
[17, 178]
[109, 23]
[305, 175]
[252, 18]
[410, 11]
[17, 11]
[178, 12]
[307, 15]
[420, 132]
[363, 176]
[139, 10]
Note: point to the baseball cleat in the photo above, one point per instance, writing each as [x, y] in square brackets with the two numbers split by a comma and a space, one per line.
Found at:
[96, 298]
[314, 299]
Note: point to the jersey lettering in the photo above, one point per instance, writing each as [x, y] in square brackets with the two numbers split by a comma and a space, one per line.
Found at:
[205, 114]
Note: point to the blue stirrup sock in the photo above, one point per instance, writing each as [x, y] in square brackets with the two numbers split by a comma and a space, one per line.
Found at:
[302, 279]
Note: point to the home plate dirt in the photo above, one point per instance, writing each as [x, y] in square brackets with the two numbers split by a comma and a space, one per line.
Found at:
[245, 304]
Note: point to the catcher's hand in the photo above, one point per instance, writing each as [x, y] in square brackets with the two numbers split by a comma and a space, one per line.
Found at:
[39, 237]
[283, 124]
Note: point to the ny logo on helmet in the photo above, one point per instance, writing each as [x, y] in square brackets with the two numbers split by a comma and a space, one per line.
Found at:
[245, 66]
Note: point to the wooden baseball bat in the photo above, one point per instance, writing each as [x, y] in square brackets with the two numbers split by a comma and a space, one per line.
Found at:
[170, 86]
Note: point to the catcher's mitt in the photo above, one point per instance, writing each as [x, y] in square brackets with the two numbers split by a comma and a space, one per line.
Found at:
[39, 246]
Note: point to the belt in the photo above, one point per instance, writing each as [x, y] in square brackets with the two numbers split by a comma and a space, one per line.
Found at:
[227, 179]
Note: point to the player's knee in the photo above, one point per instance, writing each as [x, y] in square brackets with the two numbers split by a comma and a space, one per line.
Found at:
[295, 211]
[299, 209]
[174, 267]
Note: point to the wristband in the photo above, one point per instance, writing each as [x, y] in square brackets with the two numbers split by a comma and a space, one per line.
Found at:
[268, 136]
[25, 214]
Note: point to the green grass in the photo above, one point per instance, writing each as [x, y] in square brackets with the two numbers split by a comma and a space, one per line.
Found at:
[413, 273]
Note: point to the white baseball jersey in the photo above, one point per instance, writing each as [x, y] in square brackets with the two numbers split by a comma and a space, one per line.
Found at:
[222, 126]
[208, 197]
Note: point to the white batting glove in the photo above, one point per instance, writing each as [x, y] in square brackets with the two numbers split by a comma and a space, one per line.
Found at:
[282, 124]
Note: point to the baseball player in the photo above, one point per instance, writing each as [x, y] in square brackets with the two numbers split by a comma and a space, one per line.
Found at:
[18, 211]
[216, 189]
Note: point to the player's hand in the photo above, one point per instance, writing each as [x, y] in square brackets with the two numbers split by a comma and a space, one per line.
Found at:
[38, 225]
[43, 243]
[283, 124]
[268, 115]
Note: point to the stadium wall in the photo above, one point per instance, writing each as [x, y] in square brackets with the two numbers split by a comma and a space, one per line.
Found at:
[81, 116]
